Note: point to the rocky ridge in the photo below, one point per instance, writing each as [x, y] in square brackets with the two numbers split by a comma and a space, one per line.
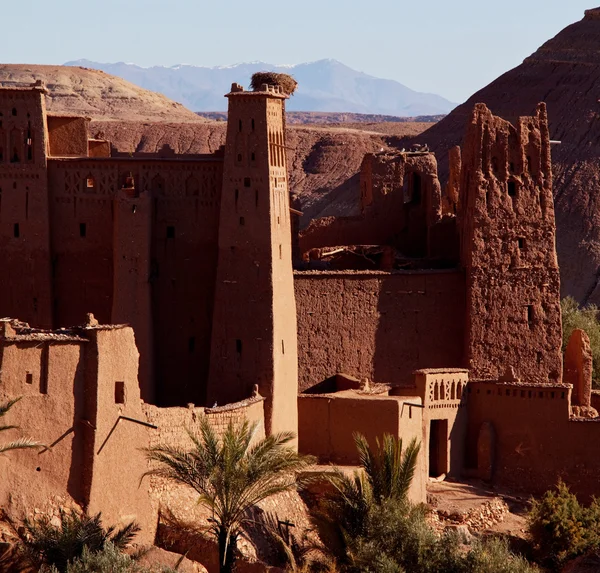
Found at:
[564, 73]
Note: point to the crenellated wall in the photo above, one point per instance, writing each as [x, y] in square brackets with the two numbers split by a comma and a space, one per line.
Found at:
[535, 440]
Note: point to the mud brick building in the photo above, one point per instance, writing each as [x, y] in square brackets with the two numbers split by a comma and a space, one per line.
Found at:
[433, 314]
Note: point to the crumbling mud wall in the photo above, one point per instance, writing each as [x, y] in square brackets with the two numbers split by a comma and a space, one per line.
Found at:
[378, 325]
[400, 202]
[506, 217]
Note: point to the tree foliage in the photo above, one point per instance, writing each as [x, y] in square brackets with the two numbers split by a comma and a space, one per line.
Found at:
[56, 546]
[584, 318]
[561, 528]
[231, 475]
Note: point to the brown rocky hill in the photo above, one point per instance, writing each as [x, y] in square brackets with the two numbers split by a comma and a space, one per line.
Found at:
[564, 73]
[81, 91]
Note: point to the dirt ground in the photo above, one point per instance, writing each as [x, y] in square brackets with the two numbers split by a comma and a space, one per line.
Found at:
[479, 506]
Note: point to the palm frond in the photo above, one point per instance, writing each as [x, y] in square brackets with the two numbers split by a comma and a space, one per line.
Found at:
[20, 444]
[4, 408]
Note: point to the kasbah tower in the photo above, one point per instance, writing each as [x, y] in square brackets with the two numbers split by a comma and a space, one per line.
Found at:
[254, 339]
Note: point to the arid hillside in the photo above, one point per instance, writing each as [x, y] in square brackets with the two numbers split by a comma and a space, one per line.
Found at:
[93, 93]
[564, 73]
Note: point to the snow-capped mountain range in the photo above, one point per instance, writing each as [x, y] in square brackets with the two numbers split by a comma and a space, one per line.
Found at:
[324, 85]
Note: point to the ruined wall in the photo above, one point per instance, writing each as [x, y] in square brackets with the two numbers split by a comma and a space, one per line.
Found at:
[327, 422]
[400, 201]
[378, 325]
[508, 248]
[172, 426]
[536, 442]
[68, 136]
[24, 224]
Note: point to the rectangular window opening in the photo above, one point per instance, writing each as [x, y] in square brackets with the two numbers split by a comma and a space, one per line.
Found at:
[282, 347]
[242, 221]
[530, 315]
[238, 346]
[82, 229]
[29, 378]
[119, 392]
[512, 189]
[521, 242]
[16, 231]
[247, 182]
[170, 232]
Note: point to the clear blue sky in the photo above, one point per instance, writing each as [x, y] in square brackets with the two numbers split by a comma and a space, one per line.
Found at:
[447, 47]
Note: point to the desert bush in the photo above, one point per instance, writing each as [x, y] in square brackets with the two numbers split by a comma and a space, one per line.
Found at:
[108, 560]
[397, 538]
[494, 556]
[584, 318]
[561, 528]
[57, 546]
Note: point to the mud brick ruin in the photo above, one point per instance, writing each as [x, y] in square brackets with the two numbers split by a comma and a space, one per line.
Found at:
[433, 314]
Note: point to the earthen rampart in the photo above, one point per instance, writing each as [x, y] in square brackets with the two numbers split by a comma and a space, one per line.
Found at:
[378, 325]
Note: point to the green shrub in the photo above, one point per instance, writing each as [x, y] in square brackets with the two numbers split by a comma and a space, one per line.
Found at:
[561, 528]
[56, 546]
[584, 318]
[108, 560]
[494, 556]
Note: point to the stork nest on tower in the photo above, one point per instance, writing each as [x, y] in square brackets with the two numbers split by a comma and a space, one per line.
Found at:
[284, 81]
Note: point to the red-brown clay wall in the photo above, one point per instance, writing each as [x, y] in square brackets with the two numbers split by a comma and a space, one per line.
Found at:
[50, 378]
[327, 423]
[180, 202]
[24, 230]
[536, 442]
[378, 325]
[117, 445]
[68, 136]
[184, 266]
[400, 201]
[82, 239]
[508, 248]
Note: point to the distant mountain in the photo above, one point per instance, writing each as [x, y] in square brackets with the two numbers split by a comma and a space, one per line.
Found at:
[325, 85]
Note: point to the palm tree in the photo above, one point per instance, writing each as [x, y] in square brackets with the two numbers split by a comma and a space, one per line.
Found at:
[231, 475]
[21, 443]
[386, 474]
[58, 546]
